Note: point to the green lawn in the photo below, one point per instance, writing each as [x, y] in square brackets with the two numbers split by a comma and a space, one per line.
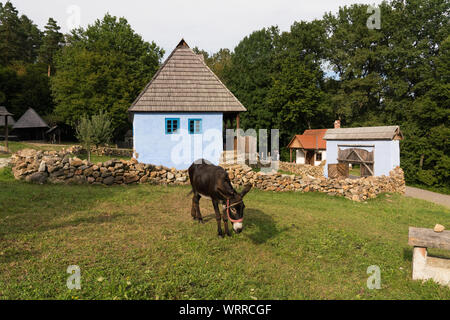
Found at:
[139, 242]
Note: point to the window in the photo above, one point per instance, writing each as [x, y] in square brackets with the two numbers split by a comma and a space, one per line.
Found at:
[319, 156]
[195, 126]
[172, 125]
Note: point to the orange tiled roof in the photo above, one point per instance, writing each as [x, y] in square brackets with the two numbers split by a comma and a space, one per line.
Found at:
[311, 139]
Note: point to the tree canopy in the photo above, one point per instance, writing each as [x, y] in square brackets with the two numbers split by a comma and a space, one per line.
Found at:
[103, 67]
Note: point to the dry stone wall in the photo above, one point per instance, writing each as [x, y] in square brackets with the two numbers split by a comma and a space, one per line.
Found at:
[63, 167]
[303, 170]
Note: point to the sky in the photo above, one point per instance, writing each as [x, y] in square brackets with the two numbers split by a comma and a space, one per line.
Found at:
[207, 24]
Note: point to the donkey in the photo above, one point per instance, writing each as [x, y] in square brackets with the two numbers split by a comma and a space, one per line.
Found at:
[212, 182]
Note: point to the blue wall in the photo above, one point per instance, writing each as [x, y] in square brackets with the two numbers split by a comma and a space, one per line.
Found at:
[153, 146]
[386, 154]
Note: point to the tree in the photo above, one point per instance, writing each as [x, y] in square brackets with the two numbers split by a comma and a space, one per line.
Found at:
[11, 34]
[250, 76]
[84, 134]
[52, 42]
[103, 67]
[102, 130]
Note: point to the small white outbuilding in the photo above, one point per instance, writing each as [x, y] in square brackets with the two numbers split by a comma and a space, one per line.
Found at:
[375, 149]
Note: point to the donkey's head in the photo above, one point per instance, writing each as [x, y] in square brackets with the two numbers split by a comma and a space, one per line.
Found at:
[235, 209]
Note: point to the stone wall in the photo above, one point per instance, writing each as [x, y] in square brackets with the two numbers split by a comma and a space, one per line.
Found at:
[63, 167]
[102, 151]
[303, 170]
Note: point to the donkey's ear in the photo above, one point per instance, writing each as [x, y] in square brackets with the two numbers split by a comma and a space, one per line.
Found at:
[245, 190]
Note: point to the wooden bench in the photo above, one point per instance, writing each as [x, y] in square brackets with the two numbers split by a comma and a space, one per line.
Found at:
[425, 267]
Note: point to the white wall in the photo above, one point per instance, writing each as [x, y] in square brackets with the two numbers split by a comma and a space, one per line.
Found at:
[153, 146]
[324, 157]
[386, 154]
[299, 156]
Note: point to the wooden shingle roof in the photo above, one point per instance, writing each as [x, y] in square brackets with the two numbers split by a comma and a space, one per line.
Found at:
[30, 119]
[365, 133]
[185, 83]
[3, 113]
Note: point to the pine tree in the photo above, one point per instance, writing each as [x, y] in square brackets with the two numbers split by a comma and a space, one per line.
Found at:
[53, 41]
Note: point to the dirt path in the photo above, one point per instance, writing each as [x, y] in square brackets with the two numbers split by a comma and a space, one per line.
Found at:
[438, 198]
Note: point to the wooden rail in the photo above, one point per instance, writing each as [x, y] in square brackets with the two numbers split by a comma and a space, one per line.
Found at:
[427, 238]
[425, 267]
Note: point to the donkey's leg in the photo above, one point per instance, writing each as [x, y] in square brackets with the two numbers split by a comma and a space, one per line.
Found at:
[217, 211]
[225, 222]
[195, 211]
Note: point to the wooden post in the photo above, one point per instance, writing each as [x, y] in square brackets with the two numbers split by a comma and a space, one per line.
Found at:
[6, 132]
[290, 153]
[238, 120]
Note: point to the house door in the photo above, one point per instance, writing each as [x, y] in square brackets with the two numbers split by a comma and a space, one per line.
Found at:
[309, 157]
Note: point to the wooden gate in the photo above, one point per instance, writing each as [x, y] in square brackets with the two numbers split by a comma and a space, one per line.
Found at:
[338, 170]
[359, 156]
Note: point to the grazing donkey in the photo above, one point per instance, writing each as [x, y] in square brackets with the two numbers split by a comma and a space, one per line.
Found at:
[212, 182]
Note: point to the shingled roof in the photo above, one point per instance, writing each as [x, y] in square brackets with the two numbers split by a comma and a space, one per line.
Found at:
[3, 113]
[30, 119]
[185, 83]
[365, 133]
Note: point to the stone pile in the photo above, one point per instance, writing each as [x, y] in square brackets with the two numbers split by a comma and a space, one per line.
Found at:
[63, 167]
[303, 170]
[353, 189]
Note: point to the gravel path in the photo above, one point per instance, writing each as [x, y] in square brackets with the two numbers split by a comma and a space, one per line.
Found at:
[437, 198]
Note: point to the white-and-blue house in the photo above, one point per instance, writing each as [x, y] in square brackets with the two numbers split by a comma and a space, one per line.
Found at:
[376, 149]
[180, 115]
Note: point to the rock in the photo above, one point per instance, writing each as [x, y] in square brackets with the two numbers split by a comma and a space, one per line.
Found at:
[42, 166]
[108, 180]
[38, 177]
[170, 176]
[439, 228]
[75, 162]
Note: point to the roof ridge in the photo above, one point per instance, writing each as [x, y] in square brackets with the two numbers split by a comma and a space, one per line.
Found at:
[172, 78]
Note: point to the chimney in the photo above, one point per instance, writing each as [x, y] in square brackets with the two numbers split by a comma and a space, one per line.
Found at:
[337, 124]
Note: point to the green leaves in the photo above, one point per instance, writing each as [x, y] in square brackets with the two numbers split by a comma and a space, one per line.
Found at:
[103, 68]
[94, 131]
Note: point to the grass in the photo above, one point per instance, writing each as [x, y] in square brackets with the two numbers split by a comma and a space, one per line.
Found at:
[139, 242]
[355, 170]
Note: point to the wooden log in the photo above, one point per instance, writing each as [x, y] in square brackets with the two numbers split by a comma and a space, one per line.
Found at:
[427, 238]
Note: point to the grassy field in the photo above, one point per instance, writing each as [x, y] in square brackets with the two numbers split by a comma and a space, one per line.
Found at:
[139, 242]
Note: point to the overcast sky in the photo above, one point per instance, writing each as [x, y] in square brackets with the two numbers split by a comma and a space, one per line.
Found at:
[208, 24]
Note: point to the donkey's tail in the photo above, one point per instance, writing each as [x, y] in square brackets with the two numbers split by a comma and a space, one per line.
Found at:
[190, 192]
